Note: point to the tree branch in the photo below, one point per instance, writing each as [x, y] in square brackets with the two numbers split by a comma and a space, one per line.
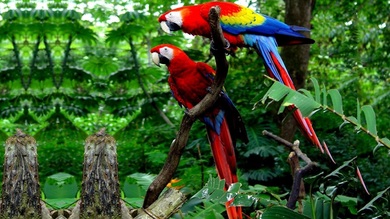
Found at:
[297, 172]
[64, 64]
[164, 207]
[18, 61]
[179, 143]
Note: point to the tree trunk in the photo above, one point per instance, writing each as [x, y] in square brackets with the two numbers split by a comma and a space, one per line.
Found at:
[296, 58]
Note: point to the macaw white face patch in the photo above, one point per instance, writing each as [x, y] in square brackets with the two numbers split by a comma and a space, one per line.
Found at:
[163, 56]
[166, 52]
[175, 17]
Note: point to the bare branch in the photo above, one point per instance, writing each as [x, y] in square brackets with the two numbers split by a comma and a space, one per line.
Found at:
[293, 147]
[164, 207]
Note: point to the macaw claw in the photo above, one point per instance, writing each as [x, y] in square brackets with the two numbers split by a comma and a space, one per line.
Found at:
[227, 47]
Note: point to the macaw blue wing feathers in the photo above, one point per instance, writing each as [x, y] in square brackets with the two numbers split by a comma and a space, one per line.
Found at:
[267, 48]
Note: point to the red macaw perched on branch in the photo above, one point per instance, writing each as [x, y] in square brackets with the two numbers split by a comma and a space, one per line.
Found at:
[189, 82]
[242, 27]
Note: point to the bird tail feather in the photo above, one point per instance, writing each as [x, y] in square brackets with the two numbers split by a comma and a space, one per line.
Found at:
[225, 160]
[266, 47]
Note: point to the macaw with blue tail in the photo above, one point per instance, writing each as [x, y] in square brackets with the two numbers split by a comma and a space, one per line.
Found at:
[242, 27]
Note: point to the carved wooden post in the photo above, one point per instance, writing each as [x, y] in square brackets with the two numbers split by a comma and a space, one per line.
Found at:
[100, 192]
[21, 195]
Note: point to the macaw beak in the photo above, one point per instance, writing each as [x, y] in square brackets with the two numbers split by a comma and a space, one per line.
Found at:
[168, 26]
[157, 58]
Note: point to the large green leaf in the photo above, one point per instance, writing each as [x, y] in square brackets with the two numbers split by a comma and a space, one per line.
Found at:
[317, 90]
[213, 191]
[302, 102]
[370, 118]
[336, 100]
[278, 91]
[60, 185]
[100, 66]
[349, 202]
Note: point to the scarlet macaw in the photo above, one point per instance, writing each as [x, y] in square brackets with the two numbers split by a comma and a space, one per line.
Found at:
[189, 82]
[242, 27]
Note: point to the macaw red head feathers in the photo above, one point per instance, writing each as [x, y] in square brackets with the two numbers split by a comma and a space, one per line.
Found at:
[172, 20]
[189, 19]
[166, 53]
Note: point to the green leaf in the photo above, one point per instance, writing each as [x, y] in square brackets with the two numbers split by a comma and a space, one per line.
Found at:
[60, 203]
[210, 210]
[136, 185]
[358, 113]
[349, 202]
[307, 93]
[279, 212]
[303, 103]
[278, 91]
[353, 119]
[134, 202]
[234, 188]
[370, 205]
[244, 200]
[324, 98]
[71, 15]
[100, 66]
[213, 191]
[60, 185]
[386, 142]
[12, 14]
[322, 207]
[338, 170]
[370, 118]
[317, 90]
[336, 100]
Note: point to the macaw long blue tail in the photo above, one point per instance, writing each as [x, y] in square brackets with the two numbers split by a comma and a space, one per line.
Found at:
[266, 47]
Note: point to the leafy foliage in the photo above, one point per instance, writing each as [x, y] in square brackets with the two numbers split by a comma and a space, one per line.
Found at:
[307, 105]
[60, 190]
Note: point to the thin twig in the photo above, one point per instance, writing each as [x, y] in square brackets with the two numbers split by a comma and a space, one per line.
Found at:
[189, 118]
[293, 147]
